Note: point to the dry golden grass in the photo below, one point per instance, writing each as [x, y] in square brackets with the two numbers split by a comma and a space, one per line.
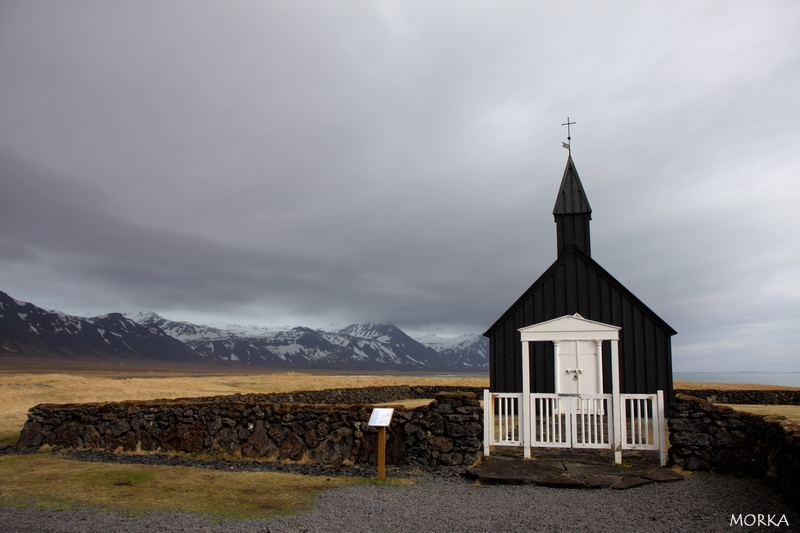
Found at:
[697, 385]
[46, 481]
[21, 391]
[407, 403]
[52, 482]
[792, 412]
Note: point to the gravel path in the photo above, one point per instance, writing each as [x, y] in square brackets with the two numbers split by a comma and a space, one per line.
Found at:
[703, 502]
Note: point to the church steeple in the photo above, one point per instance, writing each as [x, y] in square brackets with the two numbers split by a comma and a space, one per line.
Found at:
[572, 212]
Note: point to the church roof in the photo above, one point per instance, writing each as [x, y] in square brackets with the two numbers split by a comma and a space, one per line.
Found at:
[550, 276]
[571, 198]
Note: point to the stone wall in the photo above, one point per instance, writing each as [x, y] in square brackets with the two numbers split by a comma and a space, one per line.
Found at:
[705, 436]
[746, 397]
[446, 432]
[364, 395]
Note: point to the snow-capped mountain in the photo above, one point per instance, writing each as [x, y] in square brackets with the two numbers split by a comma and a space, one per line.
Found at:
[468, 351]
[187, 332]
[385, 343]
[358, 346]
[443, 343]
[471, 352]
[183, 331]
[28, 330]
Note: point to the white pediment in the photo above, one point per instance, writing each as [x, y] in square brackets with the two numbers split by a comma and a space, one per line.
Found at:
[569, 327]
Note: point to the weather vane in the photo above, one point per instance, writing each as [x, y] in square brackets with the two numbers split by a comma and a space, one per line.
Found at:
[569, 136]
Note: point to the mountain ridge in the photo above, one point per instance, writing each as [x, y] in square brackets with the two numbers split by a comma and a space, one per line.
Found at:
[26, 329]
[366, 346]
[30, 331]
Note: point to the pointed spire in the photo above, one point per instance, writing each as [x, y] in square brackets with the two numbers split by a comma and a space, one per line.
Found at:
[571, 198]
[572, 212]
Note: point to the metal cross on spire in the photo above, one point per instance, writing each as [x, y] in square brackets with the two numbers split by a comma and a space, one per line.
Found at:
[569, 136]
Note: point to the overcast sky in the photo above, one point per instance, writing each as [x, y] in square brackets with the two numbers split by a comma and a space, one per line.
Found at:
[308, 163]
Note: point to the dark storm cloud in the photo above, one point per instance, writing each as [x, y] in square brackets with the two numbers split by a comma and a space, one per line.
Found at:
[61, 225]
[307, 163]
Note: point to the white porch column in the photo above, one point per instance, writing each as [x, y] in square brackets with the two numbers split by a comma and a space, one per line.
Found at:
[599, 361]
[616, 406]
[556, 353]
[525, 415]
[488, 421]
[662, 428]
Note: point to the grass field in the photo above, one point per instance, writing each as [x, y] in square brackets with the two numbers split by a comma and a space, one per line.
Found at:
[792, 412]
[52, 482]
[56, 483]
[21, 391]
[43, 480]
[697, 385]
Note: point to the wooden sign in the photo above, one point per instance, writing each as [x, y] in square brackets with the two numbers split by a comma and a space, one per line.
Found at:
[381, 418]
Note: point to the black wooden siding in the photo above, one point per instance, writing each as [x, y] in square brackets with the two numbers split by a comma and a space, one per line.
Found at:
[575, 283]
[573, 229]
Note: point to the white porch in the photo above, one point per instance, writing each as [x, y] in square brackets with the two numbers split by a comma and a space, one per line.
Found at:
[578, 414]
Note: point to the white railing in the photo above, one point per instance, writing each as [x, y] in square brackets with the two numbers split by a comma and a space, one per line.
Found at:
[550, 421]
[577, 421]
[592, 425]
[644, 422]
[501, 416]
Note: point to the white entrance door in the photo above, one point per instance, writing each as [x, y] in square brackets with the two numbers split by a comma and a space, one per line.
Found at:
[580, 368]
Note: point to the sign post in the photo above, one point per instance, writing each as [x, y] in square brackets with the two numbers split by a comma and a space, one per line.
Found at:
[381, 418]
[381, 452]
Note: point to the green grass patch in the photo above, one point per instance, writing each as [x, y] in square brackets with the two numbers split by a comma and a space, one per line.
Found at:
[42, 480]
[116, 477]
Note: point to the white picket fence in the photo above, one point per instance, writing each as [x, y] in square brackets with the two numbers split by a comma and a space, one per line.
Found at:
[502, 429]
[575, 421]
[643, 422]
[550, 427]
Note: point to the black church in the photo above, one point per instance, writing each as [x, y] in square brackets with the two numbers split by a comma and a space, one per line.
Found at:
[576, 283]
